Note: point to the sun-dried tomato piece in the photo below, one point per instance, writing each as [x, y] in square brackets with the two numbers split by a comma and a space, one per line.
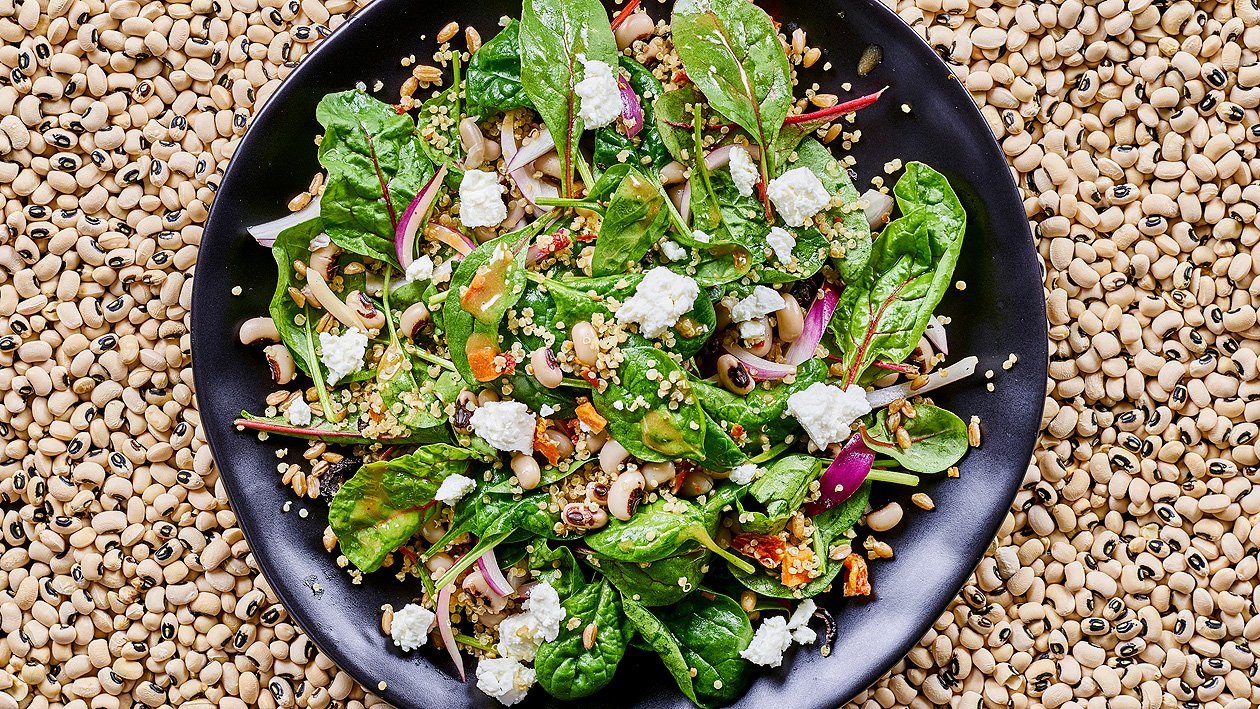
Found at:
[543, 443]
[587, 414]
[798, 562]
[766, 549]
[858, 580]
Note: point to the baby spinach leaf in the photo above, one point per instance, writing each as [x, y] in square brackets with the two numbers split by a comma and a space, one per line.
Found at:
[708, 631]
[488, 282]
[557, 567]
[613, 146]
[383, 505]
[494, 74]
[607, 182]
[884, 311]
[922, 187]
[292, 244]
[732, 52]
[553, 34]
[659, 583]
[657, 637]
[762, 412]
[660, 529]
[938, 439]
[780, 491]
[531, 514]
[720, 450]
[651, 426]
[566, 669]
[830, 528]
[375, 167]
[852, 230]
[634, 221]
[809, 254]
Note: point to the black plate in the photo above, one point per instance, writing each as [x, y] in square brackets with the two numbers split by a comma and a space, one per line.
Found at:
[1001, 312]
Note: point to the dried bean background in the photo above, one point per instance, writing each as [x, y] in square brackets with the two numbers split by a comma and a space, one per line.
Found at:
[1124, 577]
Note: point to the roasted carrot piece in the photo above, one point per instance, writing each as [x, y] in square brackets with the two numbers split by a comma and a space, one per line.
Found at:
[587, 414]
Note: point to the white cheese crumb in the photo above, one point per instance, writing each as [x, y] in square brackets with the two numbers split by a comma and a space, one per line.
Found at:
[798, 194]
[826, 411]
[672, 250]
[659, 300]
[744, 171]
[520, 635]
[505, 679]
[754, 330]
[798, 624]
[546, 410]
[746, 473]
[505, 425]
[481, 199]
[761, 302]
[767, 647]
[342, 354]
[544, 603]
[701, 236]
[320, 241]
[410, 627]
[601, 99]
[781, 242]
[421, 269]
[454, 488]
[299, 413]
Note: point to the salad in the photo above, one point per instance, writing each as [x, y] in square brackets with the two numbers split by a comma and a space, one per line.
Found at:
[599, 344]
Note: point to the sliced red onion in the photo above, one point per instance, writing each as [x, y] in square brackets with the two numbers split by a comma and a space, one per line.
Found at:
[416, 214]
[681, 197]
[759, 368]
[844, 476]
[531, 187]
[631, 109]
[450, 237]
[816, 322]
[526, 154]
[265, 234]
[879, 207]
[935, 333]
[961, 369]
[490, 571]
[448, 634]
[515, 217]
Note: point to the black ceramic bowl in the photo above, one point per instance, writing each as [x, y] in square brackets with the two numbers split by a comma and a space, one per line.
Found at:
[1000, 313]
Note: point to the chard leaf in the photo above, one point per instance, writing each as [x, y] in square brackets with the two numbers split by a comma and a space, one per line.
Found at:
[375, 166]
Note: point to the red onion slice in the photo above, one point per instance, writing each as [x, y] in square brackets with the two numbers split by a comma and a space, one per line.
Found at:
[816, 322]
[961, 369]
[531, 187]
[844, 476]
[759, 368]
[526, 154]
[416, 214]
[631, 109]
[448, 634]
[265, 234]
[452, 238]
[935, 333]
[489, 566]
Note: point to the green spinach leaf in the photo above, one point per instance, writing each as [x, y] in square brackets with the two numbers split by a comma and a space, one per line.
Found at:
[938, 439]
[488, 282]
[375, 166]
[659, 583]
[494, 74]
[557, 567]
[663, 528]
[762, 413]
[635, 220]
[705, 633]
[566, 669]
[652, 426]
[384, 504]
[732, 52]
[852, 230]
[292, 244]
[883, 313]
[647, 149]
[674, 121]
[780, 491]
[553, 34]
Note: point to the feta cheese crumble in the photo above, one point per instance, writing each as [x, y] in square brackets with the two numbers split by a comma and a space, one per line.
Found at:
[342, 354]
[481, 199]
[520, 635]
[454, 488]
[760, 303]
[769, 643]
[826, 412]
[672, 250]
[746, 473]
[798, 194]
[701, 236]
[601, 99]
[299, 413]
[320, 241]
[505, 679]
[420, 270]
[659, 300]
[744, 171]
[798, 624]
[506, 425]
[410, 627]
[754, 330]
[781, 243]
